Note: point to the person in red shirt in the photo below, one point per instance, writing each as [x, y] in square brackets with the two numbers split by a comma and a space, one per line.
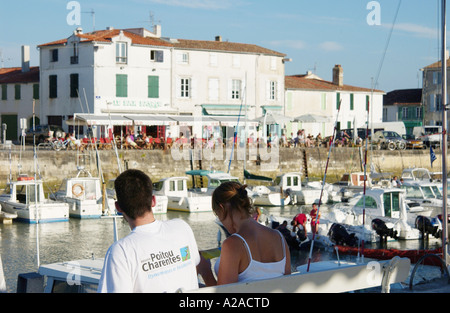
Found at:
[314, 218]
[300, 219]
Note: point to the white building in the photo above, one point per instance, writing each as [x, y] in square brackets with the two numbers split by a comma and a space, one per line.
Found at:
[137, 72]
[19, 87]
[309, 94]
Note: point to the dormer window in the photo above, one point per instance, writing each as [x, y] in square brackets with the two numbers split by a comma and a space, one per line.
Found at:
[121, 52]
[54, 55]
[74, 56]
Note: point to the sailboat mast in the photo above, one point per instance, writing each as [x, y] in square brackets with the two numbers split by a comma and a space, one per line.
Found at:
[444, 135]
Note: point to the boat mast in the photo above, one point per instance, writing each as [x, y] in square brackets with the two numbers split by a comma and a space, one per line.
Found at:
[444, 135]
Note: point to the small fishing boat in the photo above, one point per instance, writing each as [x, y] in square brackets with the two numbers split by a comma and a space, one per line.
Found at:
[20, 198]
[179, 198]
[83, 193]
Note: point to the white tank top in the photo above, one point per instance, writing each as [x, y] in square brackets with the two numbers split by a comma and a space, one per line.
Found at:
[259, 270]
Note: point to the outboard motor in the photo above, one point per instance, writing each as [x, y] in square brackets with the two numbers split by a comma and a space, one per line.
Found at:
[340, 236]
[382, 230]
[426, 227]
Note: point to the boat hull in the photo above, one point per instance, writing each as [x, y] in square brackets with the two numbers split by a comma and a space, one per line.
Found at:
[48, 212]
[188, 204]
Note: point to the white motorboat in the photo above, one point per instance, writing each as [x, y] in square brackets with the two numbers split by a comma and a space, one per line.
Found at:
[269, 196]
[85, 196]
[291, 184]
[179, 198]
[416, 174]
[427, 194]
[161, 200]
[388, 205]
[214, 180]
[20, 198]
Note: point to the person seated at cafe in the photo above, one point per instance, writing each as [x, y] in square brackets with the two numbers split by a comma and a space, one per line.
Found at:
[130, 141]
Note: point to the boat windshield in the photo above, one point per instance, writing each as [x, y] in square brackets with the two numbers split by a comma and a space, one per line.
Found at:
[413, 192]
[428, 192]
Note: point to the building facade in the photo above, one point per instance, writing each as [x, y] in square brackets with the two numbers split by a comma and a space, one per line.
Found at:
[404, 105]
[137, 72]
[432, 94]
[311, 94]
[19, 87]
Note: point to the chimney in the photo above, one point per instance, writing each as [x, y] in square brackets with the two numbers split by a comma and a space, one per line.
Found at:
[25, 58]
[338, 75]
[219, 38]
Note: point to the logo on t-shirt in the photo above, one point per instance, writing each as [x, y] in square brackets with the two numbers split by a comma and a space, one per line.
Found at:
[185, 253]
[165, 259]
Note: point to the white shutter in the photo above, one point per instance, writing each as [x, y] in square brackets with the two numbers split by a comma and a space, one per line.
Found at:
[193, 88]
[178, 87]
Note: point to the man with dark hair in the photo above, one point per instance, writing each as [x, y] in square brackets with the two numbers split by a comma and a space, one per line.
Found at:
[157, 256]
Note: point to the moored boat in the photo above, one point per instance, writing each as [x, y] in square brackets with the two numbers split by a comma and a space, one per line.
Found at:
[25, 197]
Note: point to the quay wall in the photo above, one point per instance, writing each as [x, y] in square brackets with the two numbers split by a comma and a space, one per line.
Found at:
[54, 166]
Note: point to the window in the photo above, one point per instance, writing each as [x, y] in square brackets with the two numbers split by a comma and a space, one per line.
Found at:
[17, 92]
[153, 86]
[338, 100]
[213, 89]
[53, 86]
[273, 63]
[235, 89]
[121, 52]
[418, 113]
[213, 59]
[157, 56]
[352, 102]
[367, 102]
[74, 57]
[404, 112]
[236, 61]
[183, 58]
[36, 91]
[272, 90]
[185, 87]
[4, 92]
[121, 85]
[74, 85]
[54, 55]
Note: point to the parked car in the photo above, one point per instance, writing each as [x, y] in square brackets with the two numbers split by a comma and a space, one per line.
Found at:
[389, 140]
[413, 143]
[43, 132]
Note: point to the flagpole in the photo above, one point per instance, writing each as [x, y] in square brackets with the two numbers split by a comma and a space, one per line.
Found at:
[444, 135]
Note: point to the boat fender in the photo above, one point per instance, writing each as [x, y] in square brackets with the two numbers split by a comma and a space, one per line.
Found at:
[77, 190]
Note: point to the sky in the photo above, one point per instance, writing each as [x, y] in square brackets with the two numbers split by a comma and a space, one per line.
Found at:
[383, 43]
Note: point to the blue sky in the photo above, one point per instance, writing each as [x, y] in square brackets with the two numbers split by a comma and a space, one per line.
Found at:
[316, 35]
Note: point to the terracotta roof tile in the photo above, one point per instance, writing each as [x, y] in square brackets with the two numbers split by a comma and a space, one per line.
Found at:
[14, 75]
[223, 46]
[107, 35]
[302, 82]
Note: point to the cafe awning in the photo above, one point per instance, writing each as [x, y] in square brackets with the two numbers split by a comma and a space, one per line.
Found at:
[154, 120]
[98, 120]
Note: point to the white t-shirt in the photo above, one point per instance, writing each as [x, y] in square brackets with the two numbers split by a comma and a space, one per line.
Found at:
[157, 257]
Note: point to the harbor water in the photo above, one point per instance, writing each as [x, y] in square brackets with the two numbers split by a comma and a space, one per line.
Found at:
[80, 239]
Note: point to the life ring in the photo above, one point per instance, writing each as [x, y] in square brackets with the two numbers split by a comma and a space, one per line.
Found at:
[81, 190]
